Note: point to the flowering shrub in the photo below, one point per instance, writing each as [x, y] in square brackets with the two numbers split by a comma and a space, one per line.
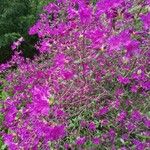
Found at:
[89, 88]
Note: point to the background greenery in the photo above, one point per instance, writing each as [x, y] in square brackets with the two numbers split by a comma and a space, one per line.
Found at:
[16, 16]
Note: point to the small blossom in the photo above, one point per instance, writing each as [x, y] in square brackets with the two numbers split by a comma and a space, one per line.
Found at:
[121, 116]
[146, 20]
[92, 126]
[130, 127]
[104, 122]
[139, 145]
[147, 122]
[96, 140]
[115, 104]
[83, 123]
[103, 111]
[123, 80]
[134, 88]
[136, 115]
[80, 140]
[59, 113]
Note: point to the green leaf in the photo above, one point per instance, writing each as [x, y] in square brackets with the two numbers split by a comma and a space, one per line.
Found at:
[148, 113]
[4, 95]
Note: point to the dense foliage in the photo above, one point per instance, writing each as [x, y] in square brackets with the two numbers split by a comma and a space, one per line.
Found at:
[89, 88]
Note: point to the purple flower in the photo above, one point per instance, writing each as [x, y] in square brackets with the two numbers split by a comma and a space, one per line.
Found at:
[146, 85]
[136, 116]
[85, 14]
[147, 122]
[121, 116]
[130, 126]
[40, 103]
[146, 20]
[133, 47]
[68, 74]
[148, 2]
[51, 7]
[96, 140]
[129, 102]
[103, 111]
[119, 92]
[60, 59]
[134, 88]
[44, 46]
[104, 122]
[92, 126]
[83, 123]
[9, 141]
[118, 41]
[59, 113]
[112, 134]
[66, 146]
[80, 140]
[10, 113]
[139, 145]
[57, 132]
[123, 80]
[115, 104]
[125, 137]
[106, 5]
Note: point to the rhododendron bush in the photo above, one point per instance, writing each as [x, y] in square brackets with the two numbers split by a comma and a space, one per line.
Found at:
[89, 87]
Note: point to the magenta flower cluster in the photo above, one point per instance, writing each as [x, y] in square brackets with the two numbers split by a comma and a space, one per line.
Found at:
[89, 88]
